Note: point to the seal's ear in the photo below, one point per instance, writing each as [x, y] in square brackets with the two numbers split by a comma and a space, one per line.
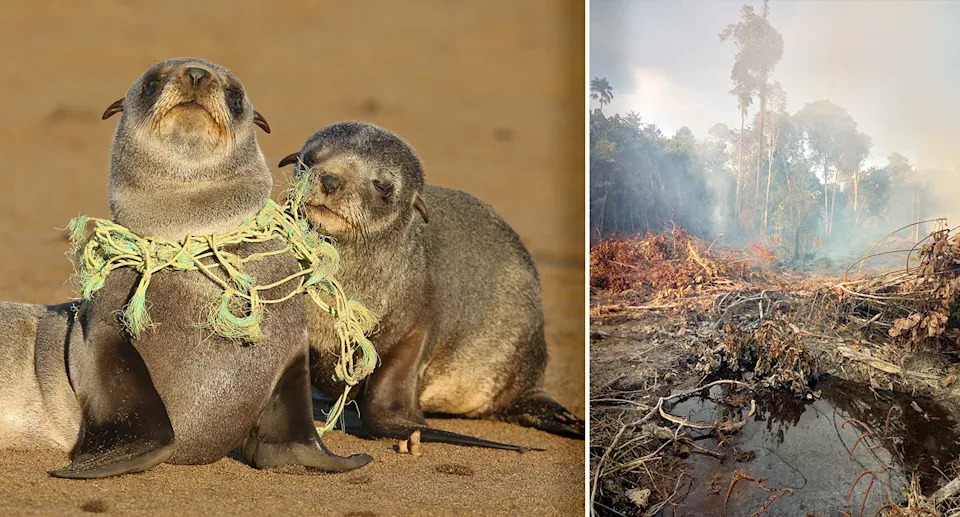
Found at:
[288, 159]
[420, 206]
[112, 109]
[260, 121]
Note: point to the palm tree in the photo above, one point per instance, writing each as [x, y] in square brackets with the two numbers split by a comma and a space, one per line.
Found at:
[601, 91]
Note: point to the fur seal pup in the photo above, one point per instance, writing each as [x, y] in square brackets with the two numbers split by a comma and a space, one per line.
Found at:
[185, 160]
[38, 408]
[458, 297]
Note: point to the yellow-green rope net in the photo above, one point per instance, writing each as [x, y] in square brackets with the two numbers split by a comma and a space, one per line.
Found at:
[238, 312]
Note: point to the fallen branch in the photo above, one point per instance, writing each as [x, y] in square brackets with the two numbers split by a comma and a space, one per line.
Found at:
[946, 492]
[624, 264]
[653, 412]
[882, 365]
[885, 238]
[737, 476]
[704, 450]
[652, 307]
[596, 477]
[721, 426]
[712, 243]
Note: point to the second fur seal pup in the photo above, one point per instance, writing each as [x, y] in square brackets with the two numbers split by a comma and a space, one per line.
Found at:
[185, 161]
[457, 294]
[38, 408]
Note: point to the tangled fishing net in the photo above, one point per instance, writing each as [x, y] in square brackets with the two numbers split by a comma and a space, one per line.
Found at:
[239, 311]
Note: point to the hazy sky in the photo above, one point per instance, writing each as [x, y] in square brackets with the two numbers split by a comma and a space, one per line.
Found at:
[895, 66]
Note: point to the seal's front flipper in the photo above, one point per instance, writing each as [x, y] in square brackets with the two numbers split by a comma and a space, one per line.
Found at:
[125, 426]
[286, 433]
[536, 409]
[119, 460]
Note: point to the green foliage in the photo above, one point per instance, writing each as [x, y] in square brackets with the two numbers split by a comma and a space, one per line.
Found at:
[642, 180]
[759, 49]
[833, 136]
[875, 187]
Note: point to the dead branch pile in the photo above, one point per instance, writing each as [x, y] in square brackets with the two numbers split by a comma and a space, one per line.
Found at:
[894, 313]
[669, 265]
[914, 307]
[772, 353]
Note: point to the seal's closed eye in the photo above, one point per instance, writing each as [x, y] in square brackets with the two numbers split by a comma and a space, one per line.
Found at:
[149, 87]
[385, 189]
[235, 101]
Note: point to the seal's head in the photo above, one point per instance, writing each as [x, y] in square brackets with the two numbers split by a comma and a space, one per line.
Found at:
[187, 108]
[187, 131]
[365, 181]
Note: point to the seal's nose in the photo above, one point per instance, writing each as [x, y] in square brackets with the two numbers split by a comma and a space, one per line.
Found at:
[196, 75]
[331, 183]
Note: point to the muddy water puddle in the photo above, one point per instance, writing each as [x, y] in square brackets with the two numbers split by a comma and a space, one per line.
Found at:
[811, 453]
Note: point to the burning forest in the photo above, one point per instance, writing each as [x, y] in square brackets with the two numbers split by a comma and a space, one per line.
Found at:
[775, 305]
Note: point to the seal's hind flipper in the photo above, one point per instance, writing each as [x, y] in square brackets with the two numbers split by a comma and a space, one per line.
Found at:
[536, 409]
[430, 434]
[125, 426]
[285, 434]
[390, 407]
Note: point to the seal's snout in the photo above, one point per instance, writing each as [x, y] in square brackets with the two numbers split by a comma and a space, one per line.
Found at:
[194, 80]
[196, 75]
[331, 183]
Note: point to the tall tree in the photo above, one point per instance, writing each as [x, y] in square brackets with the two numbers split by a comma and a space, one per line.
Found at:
[798, 209]
[778, 103]
[884, 191]
[743, 102]
[601, 91]
[815, 121]
[759, 49]
[854, 149]
[833, 139]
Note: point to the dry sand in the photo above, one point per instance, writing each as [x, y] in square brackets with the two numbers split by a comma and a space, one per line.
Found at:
[489, 93]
